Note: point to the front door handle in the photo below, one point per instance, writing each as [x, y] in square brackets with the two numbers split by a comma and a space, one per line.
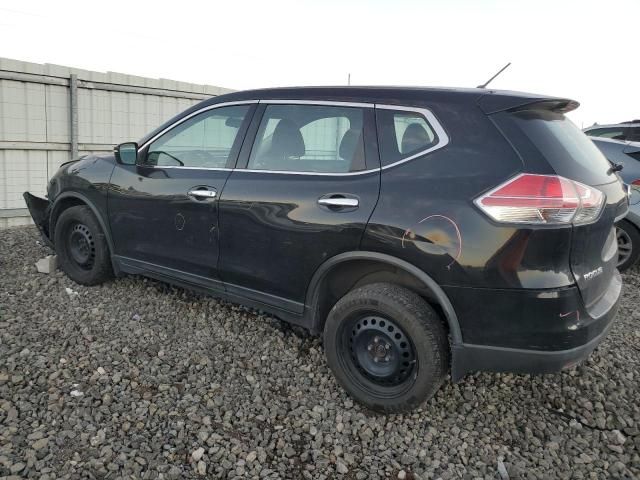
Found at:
[202, 193]
[340, 202]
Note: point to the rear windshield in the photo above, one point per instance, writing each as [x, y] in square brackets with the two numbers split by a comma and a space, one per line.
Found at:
[564, 146]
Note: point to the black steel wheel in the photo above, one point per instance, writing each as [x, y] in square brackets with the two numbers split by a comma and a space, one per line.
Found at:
[82, 249]
[379, 350]
[81, 246]
[387, 347]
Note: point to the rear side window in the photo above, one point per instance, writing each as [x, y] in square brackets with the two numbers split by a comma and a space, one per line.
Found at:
[618, 133]
[309, 138]
[403, 134]
[567, 149]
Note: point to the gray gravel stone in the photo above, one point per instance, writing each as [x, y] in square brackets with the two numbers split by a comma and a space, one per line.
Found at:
[40, 444]
[161, 374]
[197, 454]
[47, 264]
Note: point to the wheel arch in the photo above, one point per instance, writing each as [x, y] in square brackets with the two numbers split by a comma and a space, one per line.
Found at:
[634, 225]
[631, 226]
[353, 269]
[70, 199]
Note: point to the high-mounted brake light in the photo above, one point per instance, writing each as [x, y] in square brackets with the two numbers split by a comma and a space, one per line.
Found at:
[542, 200]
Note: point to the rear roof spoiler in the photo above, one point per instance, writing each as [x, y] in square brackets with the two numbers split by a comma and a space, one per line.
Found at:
[496, 102]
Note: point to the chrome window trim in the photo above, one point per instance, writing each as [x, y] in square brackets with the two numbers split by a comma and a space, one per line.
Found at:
[324, 174]
[163, 167]
[443, 138]
[328, 103]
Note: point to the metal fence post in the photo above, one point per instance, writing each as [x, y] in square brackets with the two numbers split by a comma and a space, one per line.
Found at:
[73, 96]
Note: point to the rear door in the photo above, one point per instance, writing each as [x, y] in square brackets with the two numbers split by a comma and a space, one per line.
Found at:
[303, 193]
[552, 140]
[163, 211]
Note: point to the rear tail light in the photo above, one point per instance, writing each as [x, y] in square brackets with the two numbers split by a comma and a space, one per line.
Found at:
[636, 182]
[542, 200]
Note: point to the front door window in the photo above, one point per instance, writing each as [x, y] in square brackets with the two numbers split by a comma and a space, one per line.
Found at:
[206, 140]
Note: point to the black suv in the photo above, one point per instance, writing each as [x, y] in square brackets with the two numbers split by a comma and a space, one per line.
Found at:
[419, 229]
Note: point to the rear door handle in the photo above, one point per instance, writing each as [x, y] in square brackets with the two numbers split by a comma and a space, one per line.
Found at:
[202, 193]
[339, 202]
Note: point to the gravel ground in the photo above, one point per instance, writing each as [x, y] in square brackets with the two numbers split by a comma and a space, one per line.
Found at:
[137, 379]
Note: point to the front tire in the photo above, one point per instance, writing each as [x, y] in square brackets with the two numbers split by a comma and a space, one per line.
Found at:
[83, 253]
[387, 347]
[628, 238]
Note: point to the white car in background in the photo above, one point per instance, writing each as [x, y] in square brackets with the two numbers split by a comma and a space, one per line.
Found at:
[625, 131]
[625, 154]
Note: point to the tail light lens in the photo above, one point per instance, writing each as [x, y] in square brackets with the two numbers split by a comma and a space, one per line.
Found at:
[636, 182]
[542, 200]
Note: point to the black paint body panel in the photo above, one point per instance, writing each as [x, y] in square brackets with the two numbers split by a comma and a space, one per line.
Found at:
[154, 220]
[275, 235]
[426, 214]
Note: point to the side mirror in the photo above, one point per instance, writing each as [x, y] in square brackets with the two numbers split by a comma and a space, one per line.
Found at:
[127, 153]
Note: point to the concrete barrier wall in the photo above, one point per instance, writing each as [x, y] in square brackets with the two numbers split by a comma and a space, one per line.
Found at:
[50, 114]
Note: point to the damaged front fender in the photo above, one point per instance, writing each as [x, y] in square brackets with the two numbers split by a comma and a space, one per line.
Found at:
[40, 210]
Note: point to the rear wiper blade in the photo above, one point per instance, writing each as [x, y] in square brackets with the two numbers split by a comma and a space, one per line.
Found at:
[615, 167]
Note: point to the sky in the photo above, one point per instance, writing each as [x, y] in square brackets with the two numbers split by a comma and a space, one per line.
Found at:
[576, 49]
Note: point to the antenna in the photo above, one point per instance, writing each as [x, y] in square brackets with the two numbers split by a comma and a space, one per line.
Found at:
[484, 85]
[349, 79]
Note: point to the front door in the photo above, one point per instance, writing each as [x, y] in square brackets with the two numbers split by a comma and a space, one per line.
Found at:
[163, 212]
[308, 185]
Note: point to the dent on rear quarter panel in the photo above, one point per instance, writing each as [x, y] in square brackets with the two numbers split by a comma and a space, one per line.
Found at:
[426, 216]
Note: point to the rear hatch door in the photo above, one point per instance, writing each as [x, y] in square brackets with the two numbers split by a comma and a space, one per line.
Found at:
[552, 142]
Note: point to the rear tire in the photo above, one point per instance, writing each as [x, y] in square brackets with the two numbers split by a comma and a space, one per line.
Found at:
[83, 253]
[628, 238]
[387, 347]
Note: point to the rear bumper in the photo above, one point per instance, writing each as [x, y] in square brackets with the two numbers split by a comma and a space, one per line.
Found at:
[40, 209]
[582, 335]
[500, 359]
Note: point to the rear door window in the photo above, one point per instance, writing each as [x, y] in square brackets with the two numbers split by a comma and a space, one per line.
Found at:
[403, 134]
[309, 138]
